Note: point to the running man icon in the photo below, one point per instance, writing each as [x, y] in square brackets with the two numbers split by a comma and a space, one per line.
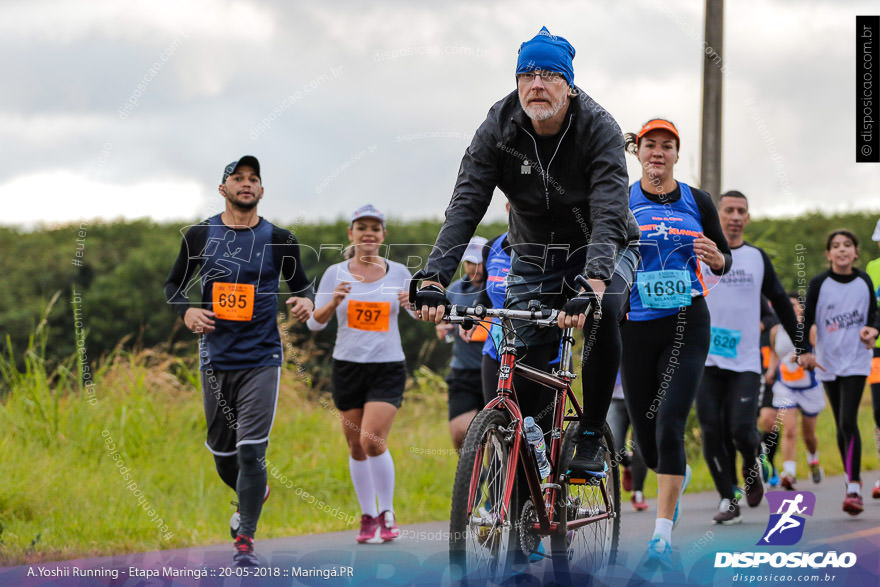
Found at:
[662, 230]
[787, 517]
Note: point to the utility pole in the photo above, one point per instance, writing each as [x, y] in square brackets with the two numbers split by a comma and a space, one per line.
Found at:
[710, 157]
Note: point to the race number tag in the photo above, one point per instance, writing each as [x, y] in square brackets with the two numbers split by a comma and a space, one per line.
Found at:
[372, 316]
[724, 342]
[664, 289]
[874, 377]
[233, 301]
[789, 375]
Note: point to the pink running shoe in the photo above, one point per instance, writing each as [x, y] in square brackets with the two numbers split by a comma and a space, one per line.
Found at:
[369, 529]
[388, 526]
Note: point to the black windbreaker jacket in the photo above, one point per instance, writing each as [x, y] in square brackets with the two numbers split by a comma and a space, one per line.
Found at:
[579, 197]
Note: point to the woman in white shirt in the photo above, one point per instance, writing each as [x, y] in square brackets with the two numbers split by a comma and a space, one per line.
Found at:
[369, 374]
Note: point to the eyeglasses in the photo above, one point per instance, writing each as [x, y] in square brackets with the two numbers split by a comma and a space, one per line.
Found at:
[548, 77]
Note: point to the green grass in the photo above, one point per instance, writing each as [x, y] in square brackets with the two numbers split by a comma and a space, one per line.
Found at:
[64, 495]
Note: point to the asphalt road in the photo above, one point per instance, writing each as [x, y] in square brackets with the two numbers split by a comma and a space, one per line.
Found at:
[419, 557]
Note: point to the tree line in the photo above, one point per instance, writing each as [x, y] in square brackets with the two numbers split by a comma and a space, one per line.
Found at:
[111, 276]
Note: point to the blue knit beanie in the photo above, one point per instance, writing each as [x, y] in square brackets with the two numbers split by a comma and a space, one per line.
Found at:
[548, 53]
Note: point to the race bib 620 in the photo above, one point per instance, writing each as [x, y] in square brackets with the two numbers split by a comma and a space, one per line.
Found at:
[724, 341]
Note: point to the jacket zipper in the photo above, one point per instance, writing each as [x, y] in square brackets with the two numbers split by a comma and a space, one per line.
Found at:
[546, 174]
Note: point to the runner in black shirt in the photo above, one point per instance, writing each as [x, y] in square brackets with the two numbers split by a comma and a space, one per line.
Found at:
[239, 257]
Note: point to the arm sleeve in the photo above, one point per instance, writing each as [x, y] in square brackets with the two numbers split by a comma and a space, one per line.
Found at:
[802, 342]
[323, 297]
[873, 314]
[289, 262]
[185, 266]
[773, 290]
[609, 201]
[483, 298]
[712, 228]
[478, 176]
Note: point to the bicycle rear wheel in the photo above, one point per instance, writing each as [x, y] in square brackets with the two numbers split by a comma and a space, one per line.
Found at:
[582, 551]
[482, 546]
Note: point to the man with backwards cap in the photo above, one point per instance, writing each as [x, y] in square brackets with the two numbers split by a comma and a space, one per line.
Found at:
[241, 257]
[465, 375]
[558, 157]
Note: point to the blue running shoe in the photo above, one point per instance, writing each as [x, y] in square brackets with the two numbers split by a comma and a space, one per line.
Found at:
[774, 478]
[687, 479]
[539, 555]
[659, 554]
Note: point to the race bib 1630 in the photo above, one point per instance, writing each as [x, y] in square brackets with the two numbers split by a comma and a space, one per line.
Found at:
[664, 289]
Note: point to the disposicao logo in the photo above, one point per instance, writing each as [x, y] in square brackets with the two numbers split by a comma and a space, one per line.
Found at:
[786, 526]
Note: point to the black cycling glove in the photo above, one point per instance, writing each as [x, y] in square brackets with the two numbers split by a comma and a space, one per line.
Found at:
[431, 296]
[580, 303]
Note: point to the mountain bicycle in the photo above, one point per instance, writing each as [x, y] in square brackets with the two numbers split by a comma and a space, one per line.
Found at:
[493, 528]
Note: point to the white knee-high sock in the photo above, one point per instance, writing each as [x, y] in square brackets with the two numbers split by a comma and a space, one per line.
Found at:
[362, 479]
[382, 469]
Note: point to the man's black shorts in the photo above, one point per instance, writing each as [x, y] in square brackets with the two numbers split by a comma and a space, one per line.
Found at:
[239, 407]
[355, 384]
[465, 391]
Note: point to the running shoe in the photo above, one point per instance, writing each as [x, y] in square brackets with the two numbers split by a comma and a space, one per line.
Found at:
[738, 494]
[659, 553]
[638, 501]
[816, 471]
[388, 529]
[728, 513]
[788, 482]
[687, 479]
[754, 485]
[627, 479]
[235, 520]
[589, 455]
[244, 552]
[766, 468]
[774, 478]
[876, 492]
[853, 504]
[539, 554]
[369, 529]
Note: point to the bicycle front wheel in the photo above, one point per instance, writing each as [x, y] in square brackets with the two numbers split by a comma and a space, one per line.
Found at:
[482, 541]
[582, 550]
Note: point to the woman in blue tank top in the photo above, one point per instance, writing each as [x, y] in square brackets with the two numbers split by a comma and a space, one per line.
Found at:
[666, 336]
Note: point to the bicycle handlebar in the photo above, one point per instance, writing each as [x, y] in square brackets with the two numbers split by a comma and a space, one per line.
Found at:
[456, 314]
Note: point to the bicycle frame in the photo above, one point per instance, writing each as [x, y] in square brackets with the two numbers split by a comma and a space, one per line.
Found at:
[544, 496]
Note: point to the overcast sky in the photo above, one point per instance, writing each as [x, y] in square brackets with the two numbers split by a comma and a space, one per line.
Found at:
[131, 109]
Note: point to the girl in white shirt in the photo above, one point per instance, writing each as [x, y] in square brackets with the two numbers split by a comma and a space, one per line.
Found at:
[841, 304]
[369, 373]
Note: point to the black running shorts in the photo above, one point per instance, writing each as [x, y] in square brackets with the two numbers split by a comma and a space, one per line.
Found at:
[355, 384]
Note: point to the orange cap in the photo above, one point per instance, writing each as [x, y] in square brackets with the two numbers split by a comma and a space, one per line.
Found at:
[659, 123]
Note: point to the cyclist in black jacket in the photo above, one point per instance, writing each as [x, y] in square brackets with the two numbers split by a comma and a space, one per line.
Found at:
[558, 157]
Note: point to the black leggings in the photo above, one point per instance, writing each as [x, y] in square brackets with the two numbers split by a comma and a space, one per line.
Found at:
[662, 364]
[844, 395]
[245, 472]
[726, 405]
